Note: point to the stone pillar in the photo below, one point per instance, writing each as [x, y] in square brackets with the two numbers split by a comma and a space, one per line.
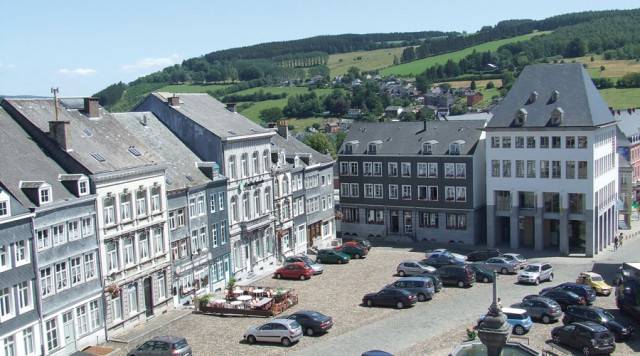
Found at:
[538, 242]
[515, 230]
[589, 236]
[491, 226]
[563, 239]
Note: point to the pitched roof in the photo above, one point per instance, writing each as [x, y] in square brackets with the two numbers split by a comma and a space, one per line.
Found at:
[292, 146]
[407, 138]
[100, 144]
[212, 115]
[482, 116]
[181, 166]
[578, 98]
[23, 160]
[628, 121]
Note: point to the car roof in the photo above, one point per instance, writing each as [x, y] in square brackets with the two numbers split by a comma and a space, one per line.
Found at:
[413, 278]
[513, 310]
[593, 326]
[511, 254]
[538, 264]
[283, 321]
[592, 274]
[306, 312]
[167, 338]
[410, 261]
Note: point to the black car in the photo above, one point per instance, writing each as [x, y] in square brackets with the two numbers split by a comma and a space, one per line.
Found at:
[587, 336]
[482, 255]
[312, 322]
[581, 290]
[621, 330]
[563, 297]
[441, 260]
[398, 298]
[482, 275]
[461, 276]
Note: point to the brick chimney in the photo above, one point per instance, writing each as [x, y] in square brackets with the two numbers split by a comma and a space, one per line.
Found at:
[91, 107]
[174, 100]
[59, 132]
[231, 107]
[283, 128]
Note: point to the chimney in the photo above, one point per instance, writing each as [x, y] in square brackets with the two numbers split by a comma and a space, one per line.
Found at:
[231, 107]
[59, 132]
[283, 128]
[91, 107]
[174, 100]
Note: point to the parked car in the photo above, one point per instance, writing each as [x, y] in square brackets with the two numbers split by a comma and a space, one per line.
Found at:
[563, 297]
[482, 255]
[360, 242]
[518, 319]
[596, 282]
[388, 297]
[515, 257]
[163, 346]
[536, 273]
[499, 264]
[413, 268]
[316, 267]
[620, 329]
[312, 322]
[582, 290]
[461, 276]
[282, 331]
[446, 253]
[352, 250]
[589, 337]
[438, 261]
[296, 270]
[420, 286]
[437, 281]
[376, 353]
[482, 275]
[332, 256]
[540, 308]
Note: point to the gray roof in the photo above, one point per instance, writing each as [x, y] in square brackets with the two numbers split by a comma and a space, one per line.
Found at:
[22, 159]
[482, 116]
[578, 98]
[212, 115]
[628, 121]
[292, 146]
[621, 139]
[407, 138]
[103, 135]
[181, 166]
[623, 162]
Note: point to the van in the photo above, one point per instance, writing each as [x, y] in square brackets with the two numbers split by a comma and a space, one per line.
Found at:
[458, 275]
[422, 287]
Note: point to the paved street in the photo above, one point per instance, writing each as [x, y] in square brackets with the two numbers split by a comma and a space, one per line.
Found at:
[429, 328]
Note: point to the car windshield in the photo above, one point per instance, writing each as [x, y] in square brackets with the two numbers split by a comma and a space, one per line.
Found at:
[596, 278]
[607, 315]
[294, 325]
[180, 344]
[532, 268]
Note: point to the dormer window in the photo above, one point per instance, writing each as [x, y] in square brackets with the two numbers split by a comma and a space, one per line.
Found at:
[4, 208]
[372, 148]
[521, 117]
[83, 187]
[533, 97]
[555, 96]
[348, 148]
[427, 147]
[44, 195]
[556, 116]
[456, 147]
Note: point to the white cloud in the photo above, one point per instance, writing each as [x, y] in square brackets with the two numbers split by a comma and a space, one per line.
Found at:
[158, 62]
[77, 71]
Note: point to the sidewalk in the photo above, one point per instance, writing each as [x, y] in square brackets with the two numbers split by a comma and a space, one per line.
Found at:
[137, 333]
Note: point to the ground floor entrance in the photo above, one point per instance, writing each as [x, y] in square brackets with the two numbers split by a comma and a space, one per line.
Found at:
[577, 236]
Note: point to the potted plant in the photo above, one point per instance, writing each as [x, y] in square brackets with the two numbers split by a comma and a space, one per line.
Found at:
[230, 286]
[113, 290]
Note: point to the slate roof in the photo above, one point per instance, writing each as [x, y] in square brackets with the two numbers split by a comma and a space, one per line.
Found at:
[181, 166]
[482, 116]
[628, 122]
[212, 115]
[103, 135]
[292, 146]
[22, 159]
[406, 138]
[578, 97]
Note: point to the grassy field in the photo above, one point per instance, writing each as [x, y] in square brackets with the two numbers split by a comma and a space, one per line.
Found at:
[286, 90]
[622, 98]
[416, 67]
[480, 83]
[302, 124]
[193, 88]
[613, 68]
[253, 111]
[369, 60]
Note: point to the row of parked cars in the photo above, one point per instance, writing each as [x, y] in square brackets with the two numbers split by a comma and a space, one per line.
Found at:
[287, 330]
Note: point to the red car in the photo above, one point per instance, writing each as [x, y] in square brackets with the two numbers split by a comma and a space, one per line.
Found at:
[296, 270]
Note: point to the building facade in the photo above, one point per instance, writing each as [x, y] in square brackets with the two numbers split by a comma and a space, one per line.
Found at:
[552, 167]
[421, 180]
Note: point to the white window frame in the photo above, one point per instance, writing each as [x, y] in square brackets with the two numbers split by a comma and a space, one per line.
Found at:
[393, 191]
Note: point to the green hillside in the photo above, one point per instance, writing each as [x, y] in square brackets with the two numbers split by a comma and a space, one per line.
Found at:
[416, 67]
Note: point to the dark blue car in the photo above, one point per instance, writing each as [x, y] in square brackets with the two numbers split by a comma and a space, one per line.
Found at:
[581, 290]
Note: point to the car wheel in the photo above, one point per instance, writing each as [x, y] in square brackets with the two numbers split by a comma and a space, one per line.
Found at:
[339, 262]
[285, 341]
[302, 277]
[251, 339]
[518, 330]
[309, 332]
[551, 277]
[586, 351]
[546, 319]
[485, 280]
[399, 305]
[401, 273]
[460, 284]
[356, 256]
[422, 297]
[369, 302]
[537, 281]
[504, 271]
[278, 276]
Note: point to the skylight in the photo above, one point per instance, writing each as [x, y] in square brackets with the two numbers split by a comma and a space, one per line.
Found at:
[98, 157]
[87, 132]
[134, 151]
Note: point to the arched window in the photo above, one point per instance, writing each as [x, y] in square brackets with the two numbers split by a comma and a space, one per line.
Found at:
[234, 208]
[285, 185]
[233, 172]
[256, 202]
[267, 199]
[266, 160]
[246, 206]
[256, 162]
[245, 165]
[276, 187]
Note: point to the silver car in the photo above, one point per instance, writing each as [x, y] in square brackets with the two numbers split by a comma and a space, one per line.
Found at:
[516, 258]
[536, 273]
[316, 267]
[499, 264]
[413, 268]
[163, 346]
[282, 331]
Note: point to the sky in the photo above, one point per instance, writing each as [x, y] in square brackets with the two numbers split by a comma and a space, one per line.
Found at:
[83, 46]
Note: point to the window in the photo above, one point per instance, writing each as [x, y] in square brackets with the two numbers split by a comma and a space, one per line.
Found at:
[201, 208]
[350, 215]
[62, 277]
[116, 308]
[405, 169]
[570, 142]
[44, 240]
[112, 256]
[57, 234]
[51, 329]
[108, 210]
[456, 221]
[4, 208]
[87, 226]
[6, 303]
[89, 266]
[544, 142]
[449, 170]
[45, 195]
[76, 270]
[495, 142]
[257, 203]
[427, 148]
[582, 141]
[27, 338]
[83, 320]
[531, 142]
[556, 142]
[46, 282]
[570, 170]
[372, 148]
[94, 311]
[344, 168]
[194, 241]
[393, 191]
[555, 169]
[427, 219]
[172, 220]
[461, 170]
[450, 194]
[73, 230]
[422, 192]
[203, 238]
[233, 172]
[223, 229]
[265, 160]
[132, 294]
[353, 168]
[551, 202]
[143, 241]
[245, 206]
[519, 142]
[141, 202]
[267, 199]
[255, 162]
[392, 169]
[544, 169]
[461, 194]
[192, 207]
[506, 141]
[506, 168]
[519, 169]
[4, 257]
[406, 192]
[367, 168]
[527, 200]
[531, 169]
[125, 206]
[582, 169]
[377, 192]
[21, 252]
[9, 346]
[234, 209]
[129, 258]
[221, 201]
[503, 200]
[454, 149]
[368, 190]
[155, 199]
[83, 187]
[355, 192]
[422, 170]
[495, 168]
[375, 216]
[577, 203]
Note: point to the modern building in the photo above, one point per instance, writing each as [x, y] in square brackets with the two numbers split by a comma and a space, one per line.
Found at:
[197, 219]
[423, 180]
[216, 133]
[552, 167]
[128, 182]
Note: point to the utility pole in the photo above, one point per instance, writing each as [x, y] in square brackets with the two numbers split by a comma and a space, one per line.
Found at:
[55, 100]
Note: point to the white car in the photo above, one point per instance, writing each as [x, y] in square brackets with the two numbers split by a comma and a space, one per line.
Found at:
[445, 252]
[282, 331]
[515, 257]
[536, 273]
